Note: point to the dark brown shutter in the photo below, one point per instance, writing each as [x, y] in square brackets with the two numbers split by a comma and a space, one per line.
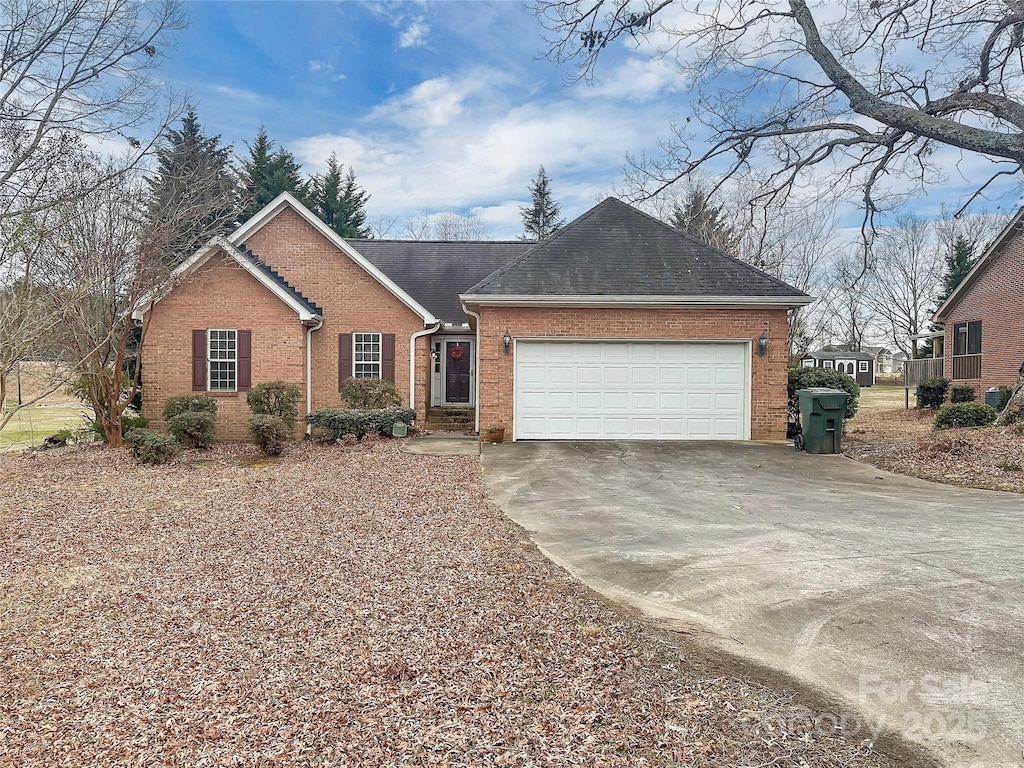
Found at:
[387, 357]
[344, 357]
[199, 361]
[244, 342]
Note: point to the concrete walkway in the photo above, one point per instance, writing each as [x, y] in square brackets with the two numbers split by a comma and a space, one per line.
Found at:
[903, 597]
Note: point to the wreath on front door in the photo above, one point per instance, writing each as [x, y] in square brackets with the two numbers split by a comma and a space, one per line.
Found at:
[457, 352]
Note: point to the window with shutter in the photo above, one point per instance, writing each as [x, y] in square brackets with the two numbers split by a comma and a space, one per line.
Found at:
[222, 360]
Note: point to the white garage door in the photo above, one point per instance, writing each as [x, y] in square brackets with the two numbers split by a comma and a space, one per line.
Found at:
[622, 390]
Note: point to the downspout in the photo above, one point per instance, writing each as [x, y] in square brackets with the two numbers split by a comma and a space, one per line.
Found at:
[309, 371]
[412, 361]
[476, 402]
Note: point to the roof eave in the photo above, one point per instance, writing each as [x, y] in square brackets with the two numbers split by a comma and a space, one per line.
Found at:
[1009, 231]
[789, 302]
[285, 200]
[200, 257]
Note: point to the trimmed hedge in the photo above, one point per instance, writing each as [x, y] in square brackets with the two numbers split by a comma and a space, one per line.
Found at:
[369, 394]
[802, 378]
[194, 428]
[965, 415]
[269, 432]
[931, 393]
[150, 446]
[338, 422]
[275, 398]
[175, 406]
[961, 393]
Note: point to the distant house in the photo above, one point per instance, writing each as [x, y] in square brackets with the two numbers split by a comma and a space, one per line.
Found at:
[984, 317]
[860, 365]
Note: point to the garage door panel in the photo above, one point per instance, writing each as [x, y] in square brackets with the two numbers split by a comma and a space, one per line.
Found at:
[630, 390]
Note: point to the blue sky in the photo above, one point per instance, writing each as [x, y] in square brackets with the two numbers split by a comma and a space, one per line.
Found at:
[438, 106]
[441, 106]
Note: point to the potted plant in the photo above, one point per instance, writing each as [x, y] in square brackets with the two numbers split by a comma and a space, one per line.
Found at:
[495, 433]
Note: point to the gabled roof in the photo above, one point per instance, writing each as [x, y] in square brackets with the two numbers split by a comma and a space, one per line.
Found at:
[306, 310]
[615, 254]
[839, 356]
[437, 272]
[1011, 230]
[286, 200]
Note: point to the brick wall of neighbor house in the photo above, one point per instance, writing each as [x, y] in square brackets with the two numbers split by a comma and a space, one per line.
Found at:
[768, 386]
[351, 299]
[997, 299]
[220, 295]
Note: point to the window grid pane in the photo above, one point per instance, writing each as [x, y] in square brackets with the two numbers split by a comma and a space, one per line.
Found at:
[222, 360]
[366, 355]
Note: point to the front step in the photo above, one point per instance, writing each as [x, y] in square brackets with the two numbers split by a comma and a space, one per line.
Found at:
[449, 420]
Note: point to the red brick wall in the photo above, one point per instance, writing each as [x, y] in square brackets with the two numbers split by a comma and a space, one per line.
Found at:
[220, 295]
[351, 299]
[997, 299]
[768, 387]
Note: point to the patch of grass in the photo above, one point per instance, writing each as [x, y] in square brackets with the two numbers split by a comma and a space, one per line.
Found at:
[33, 424]
[882, 397]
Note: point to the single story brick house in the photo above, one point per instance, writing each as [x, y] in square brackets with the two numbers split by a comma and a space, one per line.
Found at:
[860, 365]
[616, 327]
[983, 319]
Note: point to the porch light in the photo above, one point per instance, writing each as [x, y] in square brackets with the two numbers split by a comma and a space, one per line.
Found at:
[762, 344]
[506, 341]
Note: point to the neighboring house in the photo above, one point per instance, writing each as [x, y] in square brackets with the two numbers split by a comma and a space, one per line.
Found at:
[617, 327]
[860, 365]
[984, 317]
[898, 361]
[883, 355]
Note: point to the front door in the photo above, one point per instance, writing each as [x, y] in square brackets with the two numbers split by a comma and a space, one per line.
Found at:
[458, 361]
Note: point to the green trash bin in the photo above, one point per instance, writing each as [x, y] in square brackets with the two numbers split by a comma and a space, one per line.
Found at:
[821, 416]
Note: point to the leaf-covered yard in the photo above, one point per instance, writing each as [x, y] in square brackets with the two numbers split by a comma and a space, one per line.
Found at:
[886, 434]
[343, 606]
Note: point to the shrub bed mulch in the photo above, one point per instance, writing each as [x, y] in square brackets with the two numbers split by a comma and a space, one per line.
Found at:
[337, 607]
[905, 442]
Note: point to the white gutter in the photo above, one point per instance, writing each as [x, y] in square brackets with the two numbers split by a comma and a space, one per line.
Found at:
[412, 361]
[309, 371]
[637, 301]
[476, 373]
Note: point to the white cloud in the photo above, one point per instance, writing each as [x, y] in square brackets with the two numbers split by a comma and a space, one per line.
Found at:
[415, 35]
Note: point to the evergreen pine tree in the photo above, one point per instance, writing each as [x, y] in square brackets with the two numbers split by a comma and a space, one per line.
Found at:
[540, 218]
[339, 200]
[959, 261]
[706, 222]
[266, 174]
[195, 189]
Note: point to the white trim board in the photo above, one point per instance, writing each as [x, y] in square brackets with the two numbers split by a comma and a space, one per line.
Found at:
[286, 200]
[200, 257]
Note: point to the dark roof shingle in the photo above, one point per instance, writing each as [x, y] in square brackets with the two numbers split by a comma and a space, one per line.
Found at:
[435, 273]
[615, 250]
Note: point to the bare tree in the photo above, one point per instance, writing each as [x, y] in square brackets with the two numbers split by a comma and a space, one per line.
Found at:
[75, 69]
[446, 227]
[905, 277]
[860, 92]
[853, 318]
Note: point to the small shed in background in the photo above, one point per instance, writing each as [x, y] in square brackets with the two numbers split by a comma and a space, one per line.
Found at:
[860, 365]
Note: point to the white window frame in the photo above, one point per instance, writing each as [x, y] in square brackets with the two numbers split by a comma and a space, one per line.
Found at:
[862, 366]
[210, 360]
[828, 364]
[377, 364]
[808, 363]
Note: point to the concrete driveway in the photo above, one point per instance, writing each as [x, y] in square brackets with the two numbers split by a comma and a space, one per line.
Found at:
[903, 597]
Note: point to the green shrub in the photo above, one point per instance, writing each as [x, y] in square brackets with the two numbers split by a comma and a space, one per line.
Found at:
[150, 446]
[369, 394]
[193, 428]
[175, 406]
[129, 420]
[338, 422]
[1005, 393]
[965, 415]
[931, 393]
[802, 378]
[269, 432]
[275, 398]
[961, 393]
